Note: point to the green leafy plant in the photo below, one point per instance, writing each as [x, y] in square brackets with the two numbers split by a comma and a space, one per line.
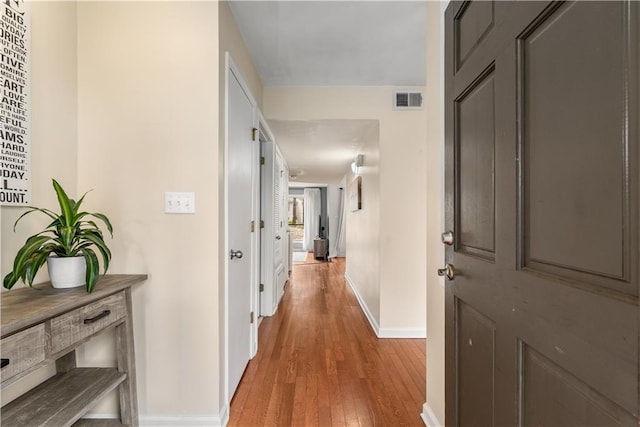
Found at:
[71, 233]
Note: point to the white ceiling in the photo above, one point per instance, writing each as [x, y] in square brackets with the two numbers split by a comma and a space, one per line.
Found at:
[332, 43]
[322, 43]
[321, 151]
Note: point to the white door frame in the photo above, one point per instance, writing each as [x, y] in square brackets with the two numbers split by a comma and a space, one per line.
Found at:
[230, 67]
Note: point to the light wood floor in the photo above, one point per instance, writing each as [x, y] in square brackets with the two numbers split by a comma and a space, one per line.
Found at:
[320, 364]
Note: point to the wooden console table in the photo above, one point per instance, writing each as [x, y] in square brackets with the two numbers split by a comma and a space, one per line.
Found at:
[43, 325]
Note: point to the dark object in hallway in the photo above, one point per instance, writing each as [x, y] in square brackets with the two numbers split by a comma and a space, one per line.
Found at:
[321, 248]
[320, 364]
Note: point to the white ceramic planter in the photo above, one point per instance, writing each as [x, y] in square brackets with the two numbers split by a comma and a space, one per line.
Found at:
[67, 272]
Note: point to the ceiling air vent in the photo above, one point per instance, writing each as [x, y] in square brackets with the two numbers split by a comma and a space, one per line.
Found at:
[407, 100]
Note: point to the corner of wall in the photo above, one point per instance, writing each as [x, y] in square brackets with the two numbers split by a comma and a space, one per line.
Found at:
[363, 305]
[434, 100]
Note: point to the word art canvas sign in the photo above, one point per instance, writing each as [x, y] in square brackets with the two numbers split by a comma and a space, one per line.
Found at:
[15, 104]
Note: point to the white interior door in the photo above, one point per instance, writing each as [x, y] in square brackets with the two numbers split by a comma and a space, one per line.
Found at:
[239, 216]
[280, 225]
[279, 216]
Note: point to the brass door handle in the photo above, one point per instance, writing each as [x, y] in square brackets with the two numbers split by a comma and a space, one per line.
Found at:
[447, 271]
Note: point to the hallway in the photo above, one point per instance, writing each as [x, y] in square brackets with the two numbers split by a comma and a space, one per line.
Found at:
[320, 364]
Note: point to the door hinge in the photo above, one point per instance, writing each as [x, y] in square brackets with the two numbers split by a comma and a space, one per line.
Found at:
[261, 223]
[261, 287]
[252, 317]
[253, 226]
[253, 134]
[261, 160]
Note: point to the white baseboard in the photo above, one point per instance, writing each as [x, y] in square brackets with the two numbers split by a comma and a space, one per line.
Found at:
[384, 332]
[363, 306]
[181, 421]
[224, 414]
[402, 333]
[173, 420]
[428, 417]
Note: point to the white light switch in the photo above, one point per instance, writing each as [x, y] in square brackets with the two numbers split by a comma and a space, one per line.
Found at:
[179, 203]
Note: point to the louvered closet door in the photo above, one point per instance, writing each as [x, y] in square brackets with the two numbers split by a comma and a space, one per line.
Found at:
[278, 213]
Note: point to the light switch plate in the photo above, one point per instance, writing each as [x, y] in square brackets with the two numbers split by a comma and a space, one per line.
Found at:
[179, 202]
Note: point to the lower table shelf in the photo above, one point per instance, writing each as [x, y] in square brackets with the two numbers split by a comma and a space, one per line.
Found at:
[63, 399]
[98, 422]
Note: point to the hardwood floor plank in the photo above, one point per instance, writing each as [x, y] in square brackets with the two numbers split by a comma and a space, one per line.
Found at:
[299, 402]
[335, 399]
[320, 364]
[311, 401]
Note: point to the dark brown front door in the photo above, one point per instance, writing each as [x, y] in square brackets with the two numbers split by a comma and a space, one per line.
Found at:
[542, 198]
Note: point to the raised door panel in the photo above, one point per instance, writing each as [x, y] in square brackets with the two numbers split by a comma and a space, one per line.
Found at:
[475, 346]
[575, 140]
[551, 395]
[472, 23]
[475, 148]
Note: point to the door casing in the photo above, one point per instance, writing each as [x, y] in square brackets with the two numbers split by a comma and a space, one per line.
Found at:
[230, 67]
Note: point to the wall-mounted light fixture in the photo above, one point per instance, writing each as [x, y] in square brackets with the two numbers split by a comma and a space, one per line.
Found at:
[357, 163]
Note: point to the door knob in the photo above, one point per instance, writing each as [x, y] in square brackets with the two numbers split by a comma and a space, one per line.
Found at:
[278, 237]
[447, 238]
[235, 254]
[447, 271]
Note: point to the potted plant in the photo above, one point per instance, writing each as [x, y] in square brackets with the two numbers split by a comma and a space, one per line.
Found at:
[71, 238]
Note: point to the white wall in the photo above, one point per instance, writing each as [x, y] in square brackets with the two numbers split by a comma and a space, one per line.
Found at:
[402, 225]
[399, 302]
[363, 232]
[434, 410]
[148, 123]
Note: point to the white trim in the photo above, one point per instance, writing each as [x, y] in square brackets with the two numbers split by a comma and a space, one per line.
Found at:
[113, 416]
[402, 333]
[429, 417]
[181, 421]
[363, 306]
[225, 308]
[255, 236]
[230, 67]
[223, 416]
[172, 420]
